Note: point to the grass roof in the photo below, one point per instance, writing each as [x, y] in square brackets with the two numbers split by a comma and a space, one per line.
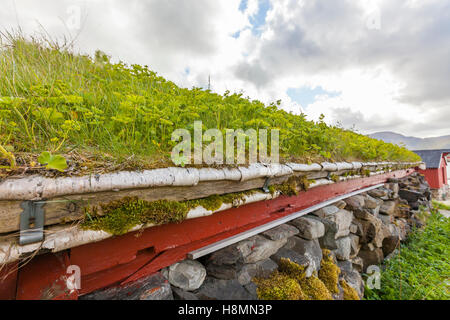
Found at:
[110, 116]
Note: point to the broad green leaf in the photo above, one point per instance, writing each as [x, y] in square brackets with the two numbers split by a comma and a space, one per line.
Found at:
[50, 161]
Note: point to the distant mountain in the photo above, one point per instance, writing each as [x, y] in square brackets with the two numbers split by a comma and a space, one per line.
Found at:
[413, 143]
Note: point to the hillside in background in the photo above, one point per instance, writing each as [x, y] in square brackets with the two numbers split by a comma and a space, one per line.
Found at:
[413, 143]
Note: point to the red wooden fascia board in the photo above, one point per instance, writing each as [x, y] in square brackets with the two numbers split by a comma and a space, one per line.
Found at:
[138, 254]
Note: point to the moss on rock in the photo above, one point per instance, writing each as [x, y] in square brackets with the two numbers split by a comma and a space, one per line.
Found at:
[278, 286]
[315, 289]
[329, 272]
[349, 292]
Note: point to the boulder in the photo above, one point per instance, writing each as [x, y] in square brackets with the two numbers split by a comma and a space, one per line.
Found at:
[225, 271]
[187, 275]
[259, 269]
[311, 250]
[336, 226]
[340, 204]
[358, 264]
[291, 255]
[326, 211]
[281, 232]
[390, 243]
[388, 207]
[372, 203]
[386, 219]
[343, 249]
[365, 214]
[378, 193]
[370, 258]
[354, 245]
[352, 277]
[371, 229]
[231, 254]
[216, 289]
[355, 202]
[309, 228]
[410, 195]
[154, 287]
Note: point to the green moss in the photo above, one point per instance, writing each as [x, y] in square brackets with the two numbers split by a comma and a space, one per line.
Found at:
[349, 292]
[120, 216]
[292, 269]
[315, 289]
[292, 186]
[312, 287]
[334, 177]
[329, 272]
[365, 172]
[278, 286]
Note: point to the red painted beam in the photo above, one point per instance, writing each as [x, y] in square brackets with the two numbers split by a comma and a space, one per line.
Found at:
[8, 281]
[44, 278]
[222, 225]
[138, 254]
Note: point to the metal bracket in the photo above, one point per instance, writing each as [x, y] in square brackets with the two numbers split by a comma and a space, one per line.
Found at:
[266, 186]
[31, 222]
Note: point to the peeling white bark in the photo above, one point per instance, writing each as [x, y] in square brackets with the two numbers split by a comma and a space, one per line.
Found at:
[38, 187]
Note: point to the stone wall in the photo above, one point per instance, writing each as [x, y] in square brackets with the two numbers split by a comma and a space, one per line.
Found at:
[360, 231]
[441, 194]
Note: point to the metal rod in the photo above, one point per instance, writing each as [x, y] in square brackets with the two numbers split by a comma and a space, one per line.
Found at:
[249, 233]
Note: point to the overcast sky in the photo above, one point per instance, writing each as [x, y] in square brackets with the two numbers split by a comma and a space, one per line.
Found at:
[374, 64]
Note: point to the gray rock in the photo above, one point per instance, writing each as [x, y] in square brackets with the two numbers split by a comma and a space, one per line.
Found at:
[326, 211]
[371, 229]
[355, 246]
[281, 232]
[353, 228]
[263, 248]
[180, 294]
[358, 264]
[388, 208]
[216, 289]
[311, 250]
[372, 203]
[225, 271]
[410, 195]
[340, 204]
[386, 219]
[154, 287]
[343, 248]
[365, 214]
[378, 193]
[336, 226]
[355, 202]
[390, 244]
[259, 269]
[251, 289]
[231, 254]
[291, 255]
[187, 275]
[370, 258]
[309, 228]
[352, 277]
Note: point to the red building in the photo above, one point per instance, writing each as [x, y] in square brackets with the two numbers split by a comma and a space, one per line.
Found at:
[437, 162]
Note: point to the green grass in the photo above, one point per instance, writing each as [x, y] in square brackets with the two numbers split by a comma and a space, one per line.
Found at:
[421, 271]
[97, 112]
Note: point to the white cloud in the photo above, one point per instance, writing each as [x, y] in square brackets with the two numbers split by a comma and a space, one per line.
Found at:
[394, 77]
